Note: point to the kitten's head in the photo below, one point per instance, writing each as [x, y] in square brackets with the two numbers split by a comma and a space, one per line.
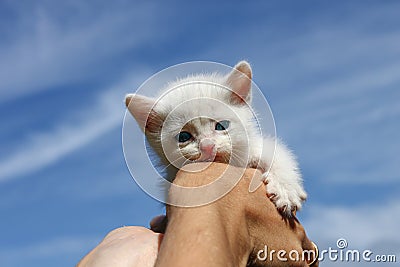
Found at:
[199, 118]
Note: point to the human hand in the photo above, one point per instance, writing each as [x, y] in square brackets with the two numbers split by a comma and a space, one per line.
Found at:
[229, 232]
[233, 230]
[128, 246]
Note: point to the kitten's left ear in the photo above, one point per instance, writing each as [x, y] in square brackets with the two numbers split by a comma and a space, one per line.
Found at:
[239, 80]
[141, 107]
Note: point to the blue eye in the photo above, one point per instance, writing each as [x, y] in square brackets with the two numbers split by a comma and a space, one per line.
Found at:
[222, 125]
[183, 137]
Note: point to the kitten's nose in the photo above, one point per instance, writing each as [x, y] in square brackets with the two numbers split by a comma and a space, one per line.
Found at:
[207, 146]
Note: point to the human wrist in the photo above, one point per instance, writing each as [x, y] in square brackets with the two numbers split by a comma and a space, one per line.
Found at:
[210, 235]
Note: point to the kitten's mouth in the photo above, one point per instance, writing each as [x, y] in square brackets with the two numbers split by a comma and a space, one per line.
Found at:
[215, 157]
[206, 157]
[222, 158]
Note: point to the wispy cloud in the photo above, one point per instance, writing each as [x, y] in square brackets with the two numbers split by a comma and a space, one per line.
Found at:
[42, 149]
[363, 226]
[354, 121]
[333, 89]
[51, 48]
[371, 227]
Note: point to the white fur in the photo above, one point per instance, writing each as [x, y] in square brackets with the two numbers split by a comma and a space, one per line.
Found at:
[232, 146]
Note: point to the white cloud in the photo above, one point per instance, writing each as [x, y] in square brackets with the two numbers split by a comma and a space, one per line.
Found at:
[367, 227]
[364, 226]
[337, 98]
[353, 118]
[54, 45]
[40, 150]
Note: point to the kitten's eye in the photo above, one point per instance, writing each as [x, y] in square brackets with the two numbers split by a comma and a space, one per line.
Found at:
[183, 137]
[222, 125]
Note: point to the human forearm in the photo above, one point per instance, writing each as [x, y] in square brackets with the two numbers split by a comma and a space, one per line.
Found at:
[210, 235]
[196, 237]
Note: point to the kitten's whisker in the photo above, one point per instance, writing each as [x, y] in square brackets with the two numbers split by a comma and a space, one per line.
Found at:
[171, 163]
[238, 145]
[239, 158]
[242, 156]
[238, 153]
[184, 163]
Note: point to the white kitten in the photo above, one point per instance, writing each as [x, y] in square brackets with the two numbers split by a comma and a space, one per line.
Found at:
[197, 119]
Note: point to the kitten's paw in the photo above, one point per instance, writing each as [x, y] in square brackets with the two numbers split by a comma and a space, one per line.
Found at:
[288, 198]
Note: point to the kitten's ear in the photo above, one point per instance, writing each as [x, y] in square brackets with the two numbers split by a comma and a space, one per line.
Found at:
[239, 80]
[141, 109]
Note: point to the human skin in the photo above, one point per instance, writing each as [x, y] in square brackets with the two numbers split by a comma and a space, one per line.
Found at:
[227, 232]
[127, 246]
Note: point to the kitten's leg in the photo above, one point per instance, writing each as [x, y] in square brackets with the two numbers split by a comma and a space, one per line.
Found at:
[283, 179]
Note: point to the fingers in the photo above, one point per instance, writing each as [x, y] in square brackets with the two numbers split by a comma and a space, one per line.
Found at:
[265, 220]
[159, 223]
[311, 252]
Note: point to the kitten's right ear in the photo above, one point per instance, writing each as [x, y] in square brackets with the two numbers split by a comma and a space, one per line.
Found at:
[141, 109]
[239, 80]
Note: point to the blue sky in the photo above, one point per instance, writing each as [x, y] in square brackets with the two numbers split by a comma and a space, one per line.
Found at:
[330, 71]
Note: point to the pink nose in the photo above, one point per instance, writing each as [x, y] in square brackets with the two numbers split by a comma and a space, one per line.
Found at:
[207, 146]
